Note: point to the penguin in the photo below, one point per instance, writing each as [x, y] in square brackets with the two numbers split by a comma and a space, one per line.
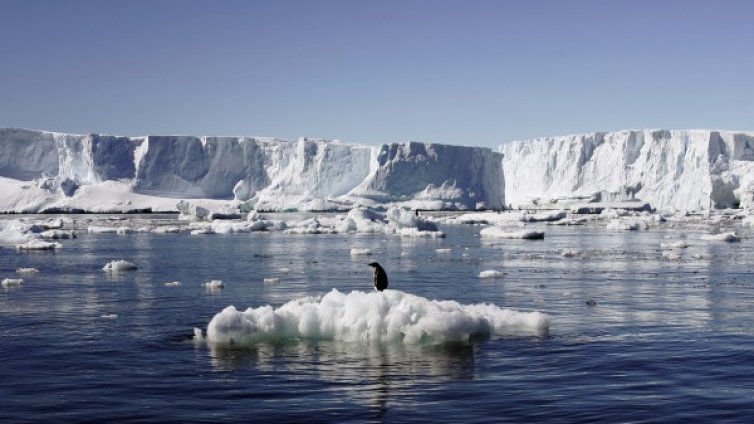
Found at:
[380, 277]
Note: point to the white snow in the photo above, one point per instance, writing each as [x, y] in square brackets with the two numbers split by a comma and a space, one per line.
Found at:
[368, 317]
[119, 265]
[499, 232]
[490, 273]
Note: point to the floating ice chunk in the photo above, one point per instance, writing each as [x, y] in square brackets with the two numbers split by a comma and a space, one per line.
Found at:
[222, 227]
[727, 237]
[96, 229]
[272, 280]
[627, 225]
[202, 231]
[214, 285]
[443, 250]
[119, 265]
[39, 245]
[498, 232]
[191, 211]
[415, 232]
[198, 336]
[545, 216]
[368, 317]
[613, 213]
[285, 270]
[309, 226]
[109, 316]
[570, 253]
[674, 245]
[57, 235]
[12, 282]
[672, 255]
[173, 284]
[569, 221]
[357, 251]
[166, 230]
[53, 224]
[490, 273]
[29, 271]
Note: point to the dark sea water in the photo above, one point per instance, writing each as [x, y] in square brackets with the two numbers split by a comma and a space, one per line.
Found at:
[669, 340]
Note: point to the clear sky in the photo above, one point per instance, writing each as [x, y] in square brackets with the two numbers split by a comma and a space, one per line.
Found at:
[461, 72]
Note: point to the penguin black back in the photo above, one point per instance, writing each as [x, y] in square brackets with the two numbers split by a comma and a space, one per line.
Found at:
[380, 276]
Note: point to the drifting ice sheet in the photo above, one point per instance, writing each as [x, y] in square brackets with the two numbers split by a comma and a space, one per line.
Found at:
[391, 315]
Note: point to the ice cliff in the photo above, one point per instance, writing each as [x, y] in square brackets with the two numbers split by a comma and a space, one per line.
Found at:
[683, 170]
[43, 171]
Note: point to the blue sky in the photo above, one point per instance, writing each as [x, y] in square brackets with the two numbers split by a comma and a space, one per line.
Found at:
[461, 72]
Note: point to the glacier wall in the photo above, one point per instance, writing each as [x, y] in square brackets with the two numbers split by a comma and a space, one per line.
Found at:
[271, 174]
[682, 170]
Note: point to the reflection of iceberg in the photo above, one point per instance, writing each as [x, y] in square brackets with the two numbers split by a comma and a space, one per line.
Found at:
[392, 316]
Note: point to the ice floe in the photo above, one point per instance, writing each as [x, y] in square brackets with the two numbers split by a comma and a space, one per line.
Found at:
[490, 273]
[119, 265]
[389, 316]
[498, 232]
[12, 282]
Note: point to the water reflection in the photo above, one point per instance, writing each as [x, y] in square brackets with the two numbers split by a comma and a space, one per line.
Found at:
[367, 373]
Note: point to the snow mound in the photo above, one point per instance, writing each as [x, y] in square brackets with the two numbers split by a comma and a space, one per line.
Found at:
[498, 232]
[727, 237]
[388, 316]
[119, 265]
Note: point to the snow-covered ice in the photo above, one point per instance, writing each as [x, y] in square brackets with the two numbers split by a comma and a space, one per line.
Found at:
[173, 284]
[119, 265]
[39, 245]
[498, 232]
[389, 316]
[29, 271]
[214, 285]
[490, 273]
[12, 282]
[360, 251]
[729, 237]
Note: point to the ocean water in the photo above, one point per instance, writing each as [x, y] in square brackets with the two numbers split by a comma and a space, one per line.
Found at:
[670, 339]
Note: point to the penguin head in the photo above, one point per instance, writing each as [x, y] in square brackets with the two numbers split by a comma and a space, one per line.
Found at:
[373, 264]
